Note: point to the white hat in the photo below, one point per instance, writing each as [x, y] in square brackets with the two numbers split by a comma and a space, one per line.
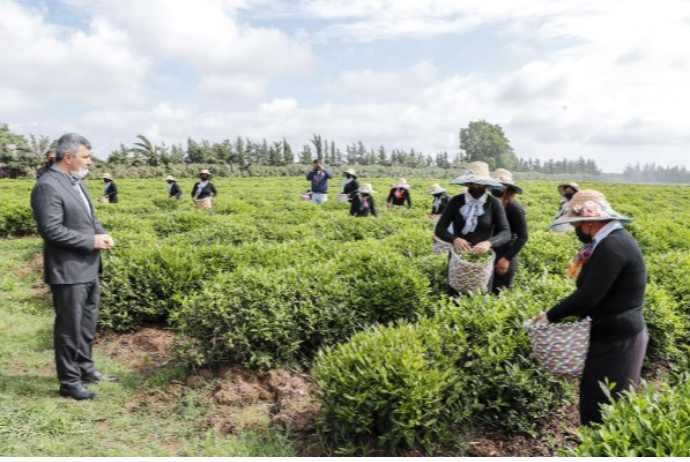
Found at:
[169, 178]
[351, 171]
[588, 205]
[205, 171]
[476, 173]
[402, 183]
[562, 186]
[506, 179]
[366, 189]
[435, 189]
[106, 176]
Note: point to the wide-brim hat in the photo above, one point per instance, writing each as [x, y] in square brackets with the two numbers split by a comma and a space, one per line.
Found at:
[206, 172]
[106, 176]
[435, 189]
[402, 183]
[562, 186]
[366, 189]
[506, 179]
[476, 173]
[589, 205]
[351, 171]
[169, 178]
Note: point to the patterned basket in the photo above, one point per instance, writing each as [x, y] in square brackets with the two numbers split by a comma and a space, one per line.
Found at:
[561, 348]
[434, 217]
[439, 247]
[342, 198]
[305, 197]
[465, 276]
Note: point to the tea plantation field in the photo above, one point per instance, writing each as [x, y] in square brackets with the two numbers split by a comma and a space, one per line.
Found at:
[265, 280]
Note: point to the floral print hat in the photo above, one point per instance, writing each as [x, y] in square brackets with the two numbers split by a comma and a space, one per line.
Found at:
[589, 205]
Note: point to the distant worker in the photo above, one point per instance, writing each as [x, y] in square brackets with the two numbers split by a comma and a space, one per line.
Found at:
[351, 184]
[319, 177]
[362, 202]
[109, 190]
[49, 161]
[567, 191]
[399, 195]
[204, 191]
[174, 189]
[440, 199]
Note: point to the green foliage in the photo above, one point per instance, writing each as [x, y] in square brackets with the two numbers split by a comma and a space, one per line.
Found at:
[486, 142]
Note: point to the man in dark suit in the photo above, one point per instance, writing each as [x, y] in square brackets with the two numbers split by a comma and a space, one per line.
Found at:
[73, 240]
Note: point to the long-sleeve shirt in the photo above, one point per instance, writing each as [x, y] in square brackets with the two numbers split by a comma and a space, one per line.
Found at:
[439, 204]
[110, 190]
[404, 197]
[207, 191]
[610, 289]
[518, 231]
[491, 226]
[319, 180]
[361, 205]
[351, 188]
[174, 190]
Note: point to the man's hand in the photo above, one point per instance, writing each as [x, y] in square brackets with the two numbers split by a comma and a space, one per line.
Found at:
[461, 245]
[482, 247]
[502, 266]
[103, 242]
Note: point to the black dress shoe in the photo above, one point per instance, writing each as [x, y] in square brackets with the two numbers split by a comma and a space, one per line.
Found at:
[79, 392]
[98, 377]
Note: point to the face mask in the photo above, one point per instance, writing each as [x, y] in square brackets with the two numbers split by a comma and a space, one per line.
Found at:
[584, 238]
[476, 192]
[497, 192]
[568, 196]
[51, 161]
[79, 174]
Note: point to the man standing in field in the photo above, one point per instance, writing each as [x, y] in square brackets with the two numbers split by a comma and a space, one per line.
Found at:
[50, 160]
[73, 240]
[319, 177]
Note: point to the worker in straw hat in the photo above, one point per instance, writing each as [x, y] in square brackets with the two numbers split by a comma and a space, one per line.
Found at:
[109, 190]
[567, 191]
[204, 191]
[362, 202]
[399, 195]
[440, 198]
[351, 185]
[507, 260]
[174, 189]
[611, 279]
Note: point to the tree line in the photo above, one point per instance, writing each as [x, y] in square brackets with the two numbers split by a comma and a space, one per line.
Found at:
[652, 173]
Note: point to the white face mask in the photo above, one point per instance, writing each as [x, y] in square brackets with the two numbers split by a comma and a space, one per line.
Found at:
[79, 174]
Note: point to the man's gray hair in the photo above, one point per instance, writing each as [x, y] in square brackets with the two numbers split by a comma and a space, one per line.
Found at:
[69, 142]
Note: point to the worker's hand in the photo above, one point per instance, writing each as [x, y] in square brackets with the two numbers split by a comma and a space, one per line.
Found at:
[502, 266]
[541, 319]
[482, 247]
[103, 242]
[461, 245]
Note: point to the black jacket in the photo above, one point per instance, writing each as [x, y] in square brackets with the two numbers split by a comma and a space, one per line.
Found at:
[175, 190]
[208, 191]
[441, 206]
[404, 198]
[610, 290]
[112, 192]
[491, 226]
[358, 208]
[42, 171]
[518, 232]
[351, 188]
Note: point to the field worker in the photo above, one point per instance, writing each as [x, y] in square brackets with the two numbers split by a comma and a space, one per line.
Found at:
[440, 199]
[567, 191]
[109, 190]
[507, 261]
[174, 189]
[611, 278]
[399, 195]
[319, 177]
[351, 185]
[478, 219]
[362, 202]
[73, 240]
[204, 191]
[49, 161]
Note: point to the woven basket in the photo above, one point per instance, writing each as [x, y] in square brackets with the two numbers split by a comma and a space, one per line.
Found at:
[342, 198]
[465, 276]
[439, 247]
[560, 348]
[305, 197]
[434, 217]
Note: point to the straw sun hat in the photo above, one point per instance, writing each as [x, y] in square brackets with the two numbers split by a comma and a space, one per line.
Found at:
[435, 189]
[351, 171]
[402, 183]
[169, 178]
[106, 176]
[506, 179]
[366, 189]
[572, 184]
[589, 205]
[206, 172]
[476, 173]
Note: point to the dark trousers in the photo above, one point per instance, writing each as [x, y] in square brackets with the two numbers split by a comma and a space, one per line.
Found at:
[76, 314]
[620, 362]
[505, 281]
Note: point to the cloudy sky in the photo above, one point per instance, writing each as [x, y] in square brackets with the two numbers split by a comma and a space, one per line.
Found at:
[606, 79]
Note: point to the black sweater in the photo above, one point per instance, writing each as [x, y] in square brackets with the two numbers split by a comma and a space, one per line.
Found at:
[441, 206]
[351, 188]
[175, 190]
[610, 290]
[405, 198]
[208, 191]
[112, 192]
[356, 205]
[518, 231]
[492, 226]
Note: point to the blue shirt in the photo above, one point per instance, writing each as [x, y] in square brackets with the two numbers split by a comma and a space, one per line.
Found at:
[319, 180]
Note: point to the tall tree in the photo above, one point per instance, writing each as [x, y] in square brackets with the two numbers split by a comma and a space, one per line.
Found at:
[483, 141]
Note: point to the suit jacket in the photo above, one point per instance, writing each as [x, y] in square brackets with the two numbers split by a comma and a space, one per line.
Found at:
[67, 229]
